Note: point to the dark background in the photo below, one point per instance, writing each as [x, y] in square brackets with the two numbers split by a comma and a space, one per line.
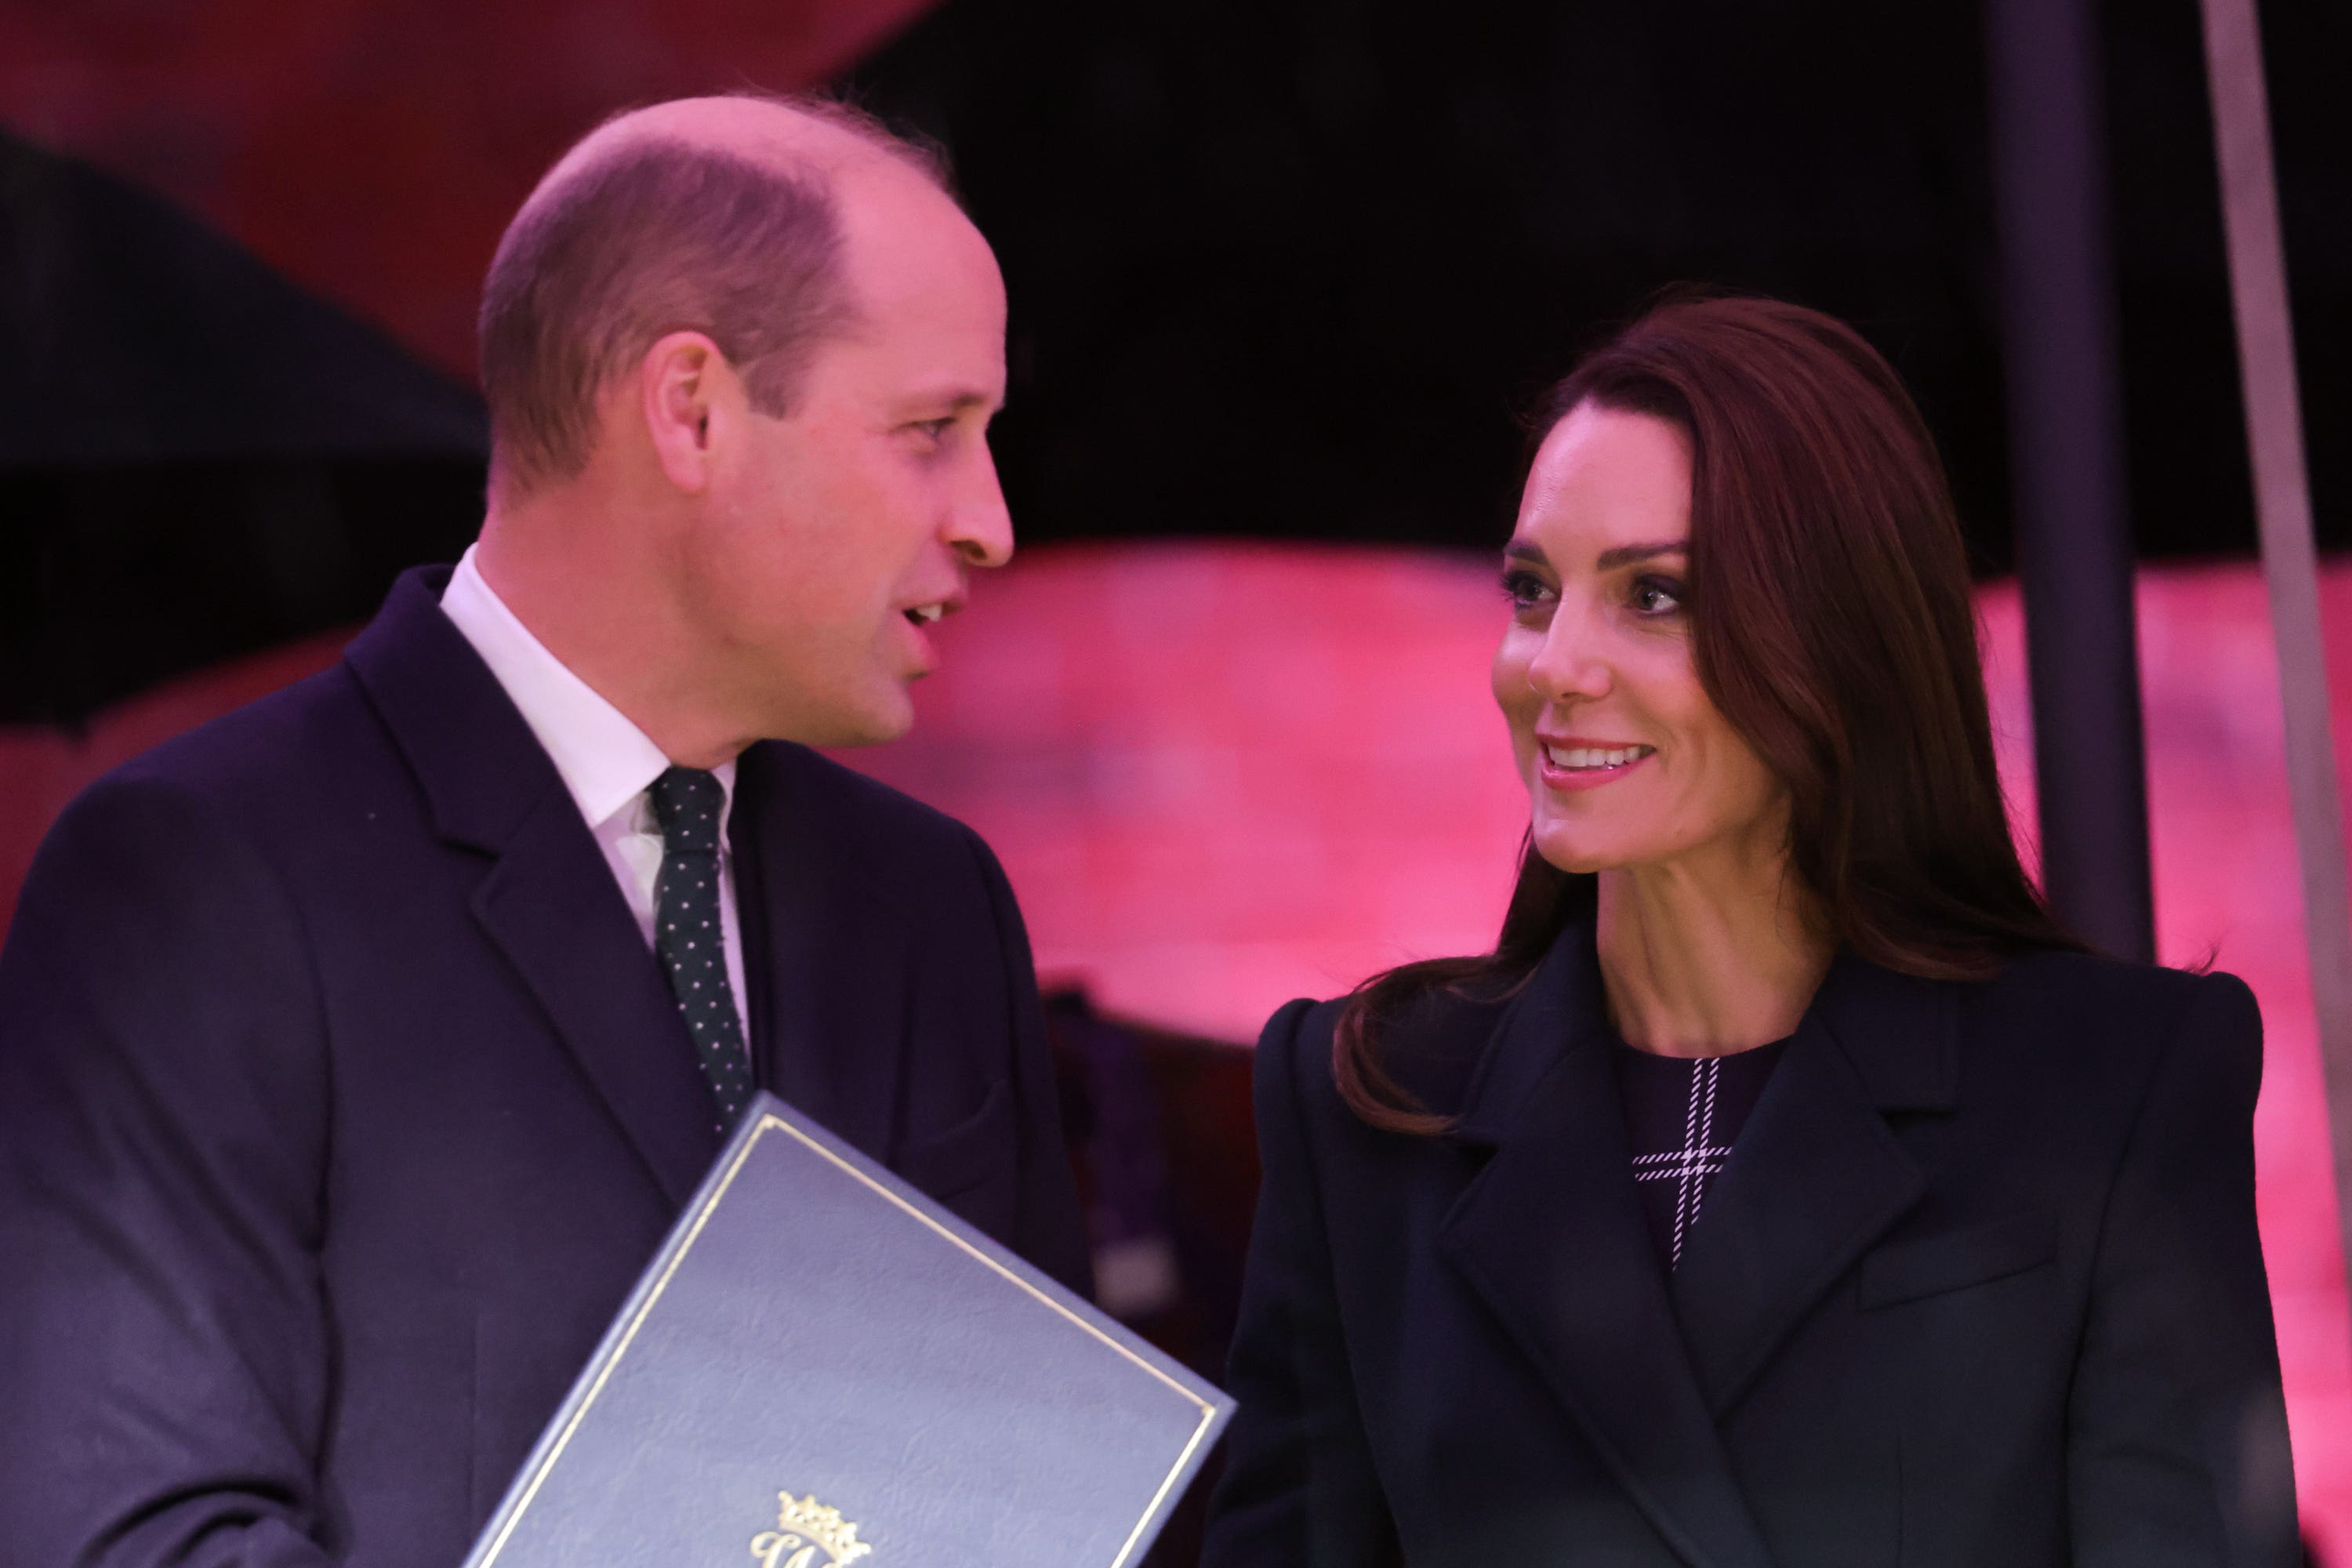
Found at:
[1292, 269]
[1283, 269]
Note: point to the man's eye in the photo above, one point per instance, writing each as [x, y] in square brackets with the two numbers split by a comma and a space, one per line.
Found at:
[1525, 589]
[1657, 596]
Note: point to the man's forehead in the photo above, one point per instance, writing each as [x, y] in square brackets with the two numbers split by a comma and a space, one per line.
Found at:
[909, 251]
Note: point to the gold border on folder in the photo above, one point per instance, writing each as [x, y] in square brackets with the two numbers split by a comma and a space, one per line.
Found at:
[769, 1124]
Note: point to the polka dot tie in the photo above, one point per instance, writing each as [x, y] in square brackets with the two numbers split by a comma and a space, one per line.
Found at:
[688, 936]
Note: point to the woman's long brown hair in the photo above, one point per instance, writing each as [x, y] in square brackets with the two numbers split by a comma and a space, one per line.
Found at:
[1832, 625]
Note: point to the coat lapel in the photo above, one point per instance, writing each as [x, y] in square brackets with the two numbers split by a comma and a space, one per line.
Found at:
[1551, 1235]
[829, 992]
[1816, 1176]
[548, 901]
[551, 905]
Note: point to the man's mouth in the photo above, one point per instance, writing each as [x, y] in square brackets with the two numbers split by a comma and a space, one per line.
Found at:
[924, 615]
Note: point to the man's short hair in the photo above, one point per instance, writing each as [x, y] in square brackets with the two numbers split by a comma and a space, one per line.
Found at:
[661, 235]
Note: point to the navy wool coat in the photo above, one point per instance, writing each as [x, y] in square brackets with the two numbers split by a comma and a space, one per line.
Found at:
[1978, 1284]
[340, 1103]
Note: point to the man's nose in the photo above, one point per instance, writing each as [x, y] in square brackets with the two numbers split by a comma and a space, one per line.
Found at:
[980, 527]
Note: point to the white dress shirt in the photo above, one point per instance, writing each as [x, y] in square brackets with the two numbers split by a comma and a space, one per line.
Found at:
[606, 763]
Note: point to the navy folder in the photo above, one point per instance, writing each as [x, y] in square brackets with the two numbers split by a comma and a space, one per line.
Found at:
[822, 1366]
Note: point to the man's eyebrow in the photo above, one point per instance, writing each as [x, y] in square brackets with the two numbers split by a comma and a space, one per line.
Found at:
[958, 399]
[1626, 555]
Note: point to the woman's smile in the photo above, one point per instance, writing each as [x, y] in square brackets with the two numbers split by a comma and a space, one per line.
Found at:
[1574, 763]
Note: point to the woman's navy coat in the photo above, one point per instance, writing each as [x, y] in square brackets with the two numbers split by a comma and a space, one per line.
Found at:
[1980, 1285]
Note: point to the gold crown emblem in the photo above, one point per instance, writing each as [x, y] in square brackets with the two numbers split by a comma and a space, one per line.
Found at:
[805, 1527]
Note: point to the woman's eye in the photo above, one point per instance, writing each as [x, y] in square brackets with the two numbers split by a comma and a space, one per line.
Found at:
[1524, 590]
[1657, 596]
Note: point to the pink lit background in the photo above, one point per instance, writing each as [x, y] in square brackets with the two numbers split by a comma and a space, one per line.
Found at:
[1220, 776]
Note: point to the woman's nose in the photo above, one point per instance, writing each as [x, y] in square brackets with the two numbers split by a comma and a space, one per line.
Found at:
[1570, 665]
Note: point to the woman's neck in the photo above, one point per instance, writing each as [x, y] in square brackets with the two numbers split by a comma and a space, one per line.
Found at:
[1713, 953]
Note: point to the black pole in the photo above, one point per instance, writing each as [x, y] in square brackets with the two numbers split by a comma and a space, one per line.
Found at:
[2065, 424]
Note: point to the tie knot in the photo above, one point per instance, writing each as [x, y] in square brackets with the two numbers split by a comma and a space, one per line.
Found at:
[686, 803]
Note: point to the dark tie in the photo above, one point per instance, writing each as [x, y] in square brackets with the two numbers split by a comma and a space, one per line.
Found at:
[688, 936]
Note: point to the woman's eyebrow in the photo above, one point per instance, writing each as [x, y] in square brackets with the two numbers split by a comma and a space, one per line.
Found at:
[1626, 555]
[1520, 550]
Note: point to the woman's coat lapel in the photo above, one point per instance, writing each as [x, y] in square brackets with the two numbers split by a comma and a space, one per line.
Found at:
[1551, 1236]
[1550, 1233]
[1816, 1175]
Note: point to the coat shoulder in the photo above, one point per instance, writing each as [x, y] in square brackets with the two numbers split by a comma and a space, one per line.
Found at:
[1430, 1046]
[254, 765]
[2109, 1027]
[2077, 989]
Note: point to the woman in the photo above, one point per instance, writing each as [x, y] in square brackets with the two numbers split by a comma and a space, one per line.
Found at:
[1785, 1188]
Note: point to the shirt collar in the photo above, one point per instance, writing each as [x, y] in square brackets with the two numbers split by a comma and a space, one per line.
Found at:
[606, 763]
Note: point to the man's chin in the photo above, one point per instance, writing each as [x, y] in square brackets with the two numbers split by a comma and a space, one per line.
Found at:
[882, 733]
[872, 725]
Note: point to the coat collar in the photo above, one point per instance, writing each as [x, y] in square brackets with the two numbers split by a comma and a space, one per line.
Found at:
[1898, 1032]
[603, 759]
[1550, 1232]
[546, 899]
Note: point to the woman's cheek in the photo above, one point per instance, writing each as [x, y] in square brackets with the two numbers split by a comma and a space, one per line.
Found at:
[1514, 658]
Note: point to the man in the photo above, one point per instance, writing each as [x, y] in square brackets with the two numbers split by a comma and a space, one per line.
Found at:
[357, 1051]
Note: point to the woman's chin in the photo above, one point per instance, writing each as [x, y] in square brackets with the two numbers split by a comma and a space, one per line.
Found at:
[1579, 855]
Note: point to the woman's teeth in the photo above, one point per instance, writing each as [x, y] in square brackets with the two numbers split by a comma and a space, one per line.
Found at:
[1595, 757]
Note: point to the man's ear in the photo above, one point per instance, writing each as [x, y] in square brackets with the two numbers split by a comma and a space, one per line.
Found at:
[681, 379]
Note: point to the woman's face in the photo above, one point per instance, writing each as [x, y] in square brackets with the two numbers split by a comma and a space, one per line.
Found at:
[1627, 761]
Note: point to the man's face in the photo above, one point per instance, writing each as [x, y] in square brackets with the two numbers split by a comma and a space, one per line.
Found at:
[835, 535]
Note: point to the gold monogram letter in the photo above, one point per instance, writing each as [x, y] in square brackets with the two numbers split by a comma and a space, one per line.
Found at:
[770, 1546]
